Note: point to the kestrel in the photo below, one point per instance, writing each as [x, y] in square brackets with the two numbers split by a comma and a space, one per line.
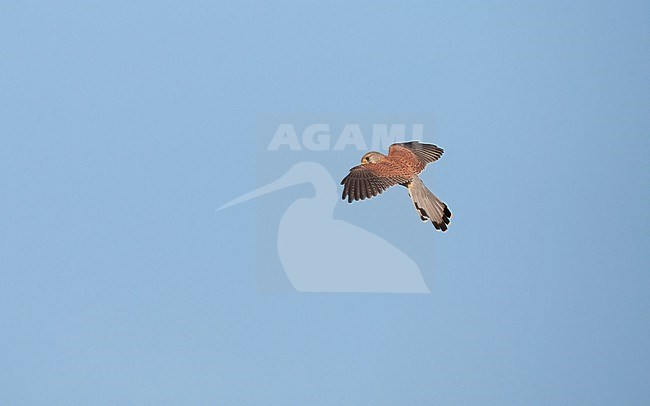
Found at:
[401, 166]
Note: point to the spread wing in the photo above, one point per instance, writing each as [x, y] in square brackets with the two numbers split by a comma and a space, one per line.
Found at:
[369, 180]
[426, 153]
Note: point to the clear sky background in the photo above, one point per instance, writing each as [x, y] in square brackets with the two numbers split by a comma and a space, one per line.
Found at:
[123, 125]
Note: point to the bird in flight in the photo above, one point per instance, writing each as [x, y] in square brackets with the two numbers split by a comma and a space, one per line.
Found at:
[401, 166]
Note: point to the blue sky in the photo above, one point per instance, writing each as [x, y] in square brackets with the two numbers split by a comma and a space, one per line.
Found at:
[125, 124]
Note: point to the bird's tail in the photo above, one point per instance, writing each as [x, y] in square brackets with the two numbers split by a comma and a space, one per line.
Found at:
[428, 206]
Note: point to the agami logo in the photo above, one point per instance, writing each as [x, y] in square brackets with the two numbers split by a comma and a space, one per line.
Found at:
[315, 251]
[318, 137]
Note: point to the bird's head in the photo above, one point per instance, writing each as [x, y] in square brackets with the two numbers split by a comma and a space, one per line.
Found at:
[372, 157]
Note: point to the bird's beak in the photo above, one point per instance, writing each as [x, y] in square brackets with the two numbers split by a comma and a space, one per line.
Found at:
[288, 179]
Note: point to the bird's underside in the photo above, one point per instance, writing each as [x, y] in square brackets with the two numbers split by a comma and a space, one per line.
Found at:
[401, 166]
